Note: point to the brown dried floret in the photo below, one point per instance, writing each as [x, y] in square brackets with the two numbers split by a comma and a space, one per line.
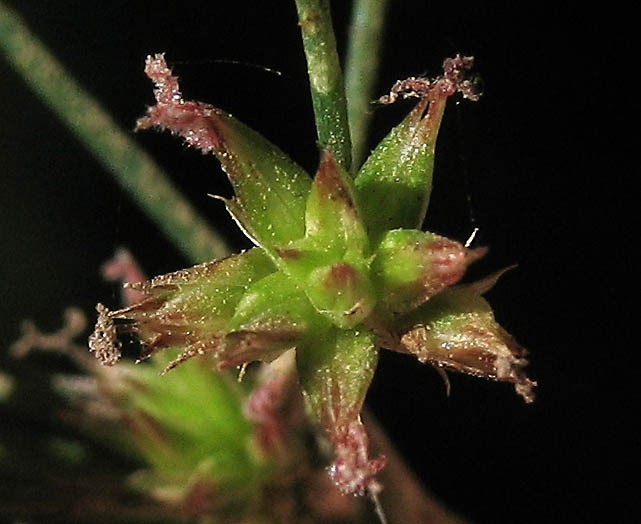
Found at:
[103, 342]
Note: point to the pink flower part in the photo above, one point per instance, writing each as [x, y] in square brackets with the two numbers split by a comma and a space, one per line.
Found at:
[351, 469]
[194, 121]
[270, 404]
[167, 89]
[455, 78]
[448, 263]
[124, 268]
[263, 408]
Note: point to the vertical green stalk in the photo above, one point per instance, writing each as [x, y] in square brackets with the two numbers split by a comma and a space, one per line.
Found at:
[115, 149]
[325, 78]
[361, 69]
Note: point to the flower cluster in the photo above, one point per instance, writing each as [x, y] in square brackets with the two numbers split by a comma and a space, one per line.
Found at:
[340, 269]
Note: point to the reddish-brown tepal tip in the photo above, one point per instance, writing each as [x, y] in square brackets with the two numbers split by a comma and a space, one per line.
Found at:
[194, 121]
[124, 268]
[456, 78]
[352, 470]
[448, 262]
[331, 184]
[474, 344]
[167, 88]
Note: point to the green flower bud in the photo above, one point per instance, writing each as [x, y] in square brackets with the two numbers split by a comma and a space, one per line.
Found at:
[331, 262]
[412, 266]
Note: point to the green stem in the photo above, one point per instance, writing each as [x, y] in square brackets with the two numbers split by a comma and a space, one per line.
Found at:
[325, 78]
[114, 148]
[361, 69]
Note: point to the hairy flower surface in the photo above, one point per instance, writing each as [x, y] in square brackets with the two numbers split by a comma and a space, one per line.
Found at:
[340, 269]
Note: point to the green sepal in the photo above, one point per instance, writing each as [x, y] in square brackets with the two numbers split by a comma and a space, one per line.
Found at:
[192, 308]
[331, 262]
[412, 266]
[457, 330]
[213, 287]
[270, 188]
[273, 316]
[332, 215]
[335, 373]
[395, 182]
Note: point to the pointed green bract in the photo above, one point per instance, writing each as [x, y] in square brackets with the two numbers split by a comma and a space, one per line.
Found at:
[271, 189]
[213, 288]
[331, 261]
[332, 216]
[395, 183]
[335, 373]
[191, 309]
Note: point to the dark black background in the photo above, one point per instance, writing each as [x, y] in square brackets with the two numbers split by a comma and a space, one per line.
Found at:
[547, 157]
